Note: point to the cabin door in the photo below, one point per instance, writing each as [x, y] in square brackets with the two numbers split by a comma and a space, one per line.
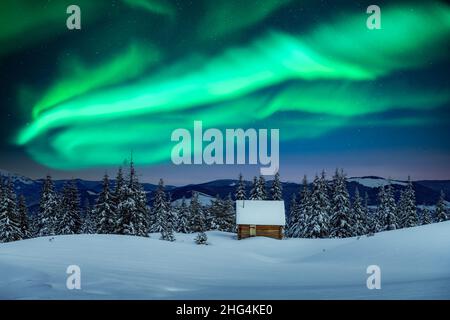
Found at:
[252, 230]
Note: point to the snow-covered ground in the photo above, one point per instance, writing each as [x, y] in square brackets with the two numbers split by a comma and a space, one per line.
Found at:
[415, 264]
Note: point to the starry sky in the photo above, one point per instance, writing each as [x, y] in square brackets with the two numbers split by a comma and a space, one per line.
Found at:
[75, 103]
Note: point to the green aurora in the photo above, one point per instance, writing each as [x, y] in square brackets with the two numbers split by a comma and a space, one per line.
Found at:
[307, 82]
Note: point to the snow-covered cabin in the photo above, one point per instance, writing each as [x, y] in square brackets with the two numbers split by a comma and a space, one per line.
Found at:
[260, 218]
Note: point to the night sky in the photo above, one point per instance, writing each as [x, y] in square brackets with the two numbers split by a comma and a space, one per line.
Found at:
[75, 103]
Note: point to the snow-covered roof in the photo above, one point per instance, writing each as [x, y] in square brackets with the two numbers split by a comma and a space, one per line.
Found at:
[260, 212]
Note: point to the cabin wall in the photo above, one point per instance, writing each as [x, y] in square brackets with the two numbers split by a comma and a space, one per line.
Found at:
[275, 232]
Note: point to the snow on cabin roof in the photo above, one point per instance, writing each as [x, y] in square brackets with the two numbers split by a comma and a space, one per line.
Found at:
[260, 212]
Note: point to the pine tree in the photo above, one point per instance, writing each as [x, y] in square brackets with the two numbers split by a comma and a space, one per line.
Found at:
[441, 211]
[105, 210]
[227, 220]
[304, 209]
[133, 210]
[387, 212]
[9, 217]
[23, 218]
[160, 208]
[293, 221]
[254, 190]
[240, 190]
[261, 189]
[409, 210]
[48, 206]
[318, 220]
[198, 219]
[342, 221]
[426, 216]
[90, 221]
[183, 217]
[118, 197]
[69, 218]
[170, 223]
[277, 188]
[360, 215]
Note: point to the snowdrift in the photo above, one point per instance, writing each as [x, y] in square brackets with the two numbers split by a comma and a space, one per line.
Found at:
[415, 264]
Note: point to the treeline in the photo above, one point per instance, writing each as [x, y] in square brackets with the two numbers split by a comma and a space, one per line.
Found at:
[324, 210]
[120, 208]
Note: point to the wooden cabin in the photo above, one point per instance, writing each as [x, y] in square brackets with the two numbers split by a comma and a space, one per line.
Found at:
[260, 218]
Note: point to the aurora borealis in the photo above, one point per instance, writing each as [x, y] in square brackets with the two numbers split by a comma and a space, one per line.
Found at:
[139, 69]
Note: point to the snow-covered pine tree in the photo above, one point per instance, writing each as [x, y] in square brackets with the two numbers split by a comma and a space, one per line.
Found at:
[261, 188]
[359, 215]
[410, 218]
[9, 217]
[387, 211]
[254, 189]
[105, 209]
[69, 217]
[89, 225]
[183, 217]
[48, 209]
[24, 221]
[227, 221]
[319, 208]
[133, 210]
[304, 209]
[441, 210]
[160, 208]
[118, 197]
[401, 217]
[216, 212]
[170, 226]
[240, 190]
[198, 219]
[276, 191]
[293, 223]
[426, 216]
[342, 221]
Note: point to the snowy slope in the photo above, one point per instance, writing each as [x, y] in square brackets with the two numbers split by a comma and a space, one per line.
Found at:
[415, 264]
[204, 199]
[375, 182]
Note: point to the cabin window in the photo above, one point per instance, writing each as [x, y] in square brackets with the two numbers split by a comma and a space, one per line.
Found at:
[252, 230]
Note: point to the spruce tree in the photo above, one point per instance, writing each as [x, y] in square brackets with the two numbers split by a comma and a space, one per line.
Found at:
[410, 218]
[240, 190]
[261, 189]
[360, 216]
[9, 218]
[183, 217]
[105, 209]
[69, 218]
[227, 221]
[254, 190]
[198, 220]
[426, 216]
[318, 220]
[48, 209]
[89, 225]
[277, 189]
[304, 209]
[293, 221]
[342, 221]
[160, 208]
[387, 212]
[23, 218]
[133, 210]
[441, 210]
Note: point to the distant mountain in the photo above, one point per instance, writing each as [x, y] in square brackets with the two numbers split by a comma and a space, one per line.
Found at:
[427, 191]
